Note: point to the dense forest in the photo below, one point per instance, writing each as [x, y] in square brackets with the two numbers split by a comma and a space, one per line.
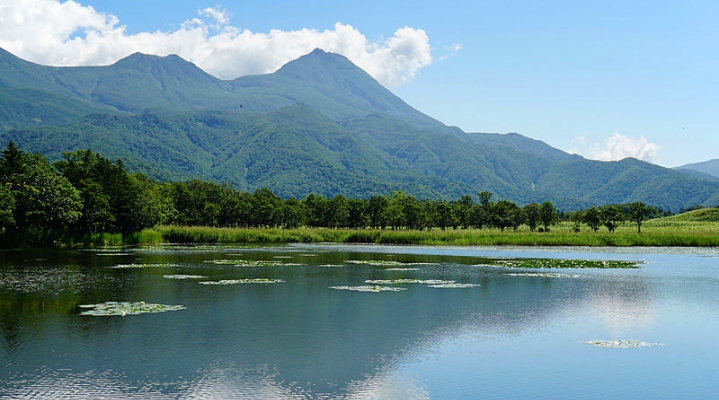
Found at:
[86, 194]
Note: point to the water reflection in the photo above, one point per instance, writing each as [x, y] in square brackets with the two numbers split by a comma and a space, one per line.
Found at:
[295, 339]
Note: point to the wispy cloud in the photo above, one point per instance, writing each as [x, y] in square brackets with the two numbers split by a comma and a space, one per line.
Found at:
[67, 33]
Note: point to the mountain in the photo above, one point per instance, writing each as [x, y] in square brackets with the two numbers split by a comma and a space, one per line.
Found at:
[707, 169]
[317, 125]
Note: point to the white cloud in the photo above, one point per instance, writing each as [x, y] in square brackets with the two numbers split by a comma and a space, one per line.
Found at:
[49, 32]
[619, 147]
[451, 51]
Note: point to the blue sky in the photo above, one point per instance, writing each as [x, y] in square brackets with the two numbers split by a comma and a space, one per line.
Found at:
[605, 79]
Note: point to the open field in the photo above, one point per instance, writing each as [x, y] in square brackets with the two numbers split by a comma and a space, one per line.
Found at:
[698, 228]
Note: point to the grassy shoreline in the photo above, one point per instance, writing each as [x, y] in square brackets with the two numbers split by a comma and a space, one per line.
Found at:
[655, 233]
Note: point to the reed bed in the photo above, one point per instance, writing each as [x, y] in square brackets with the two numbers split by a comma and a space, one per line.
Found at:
[654, 233]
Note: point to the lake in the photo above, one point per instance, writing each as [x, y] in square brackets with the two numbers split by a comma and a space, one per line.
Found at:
[357, 322]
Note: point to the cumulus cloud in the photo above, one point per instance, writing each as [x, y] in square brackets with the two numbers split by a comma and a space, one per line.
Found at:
[619, 147]
[68, 33]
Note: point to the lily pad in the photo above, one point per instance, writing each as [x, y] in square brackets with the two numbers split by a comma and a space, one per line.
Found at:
[121, 266]
[554, 263]
[453, 285]
[407, 281]
[251, 263]
[112, 308]
[241, 281]
[371, 289]
[621, 344]
[545, 275]
[387, 263]
[180, 276]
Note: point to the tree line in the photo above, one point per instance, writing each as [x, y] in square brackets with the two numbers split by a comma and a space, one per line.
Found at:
[42, 203]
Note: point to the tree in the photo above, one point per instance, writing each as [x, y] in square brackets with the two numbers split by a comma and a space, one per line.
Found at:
[593, 218]
[532, 213]
[395, 210]
[293, 213]
[377, 211]
[45, 201]
[413, 213]
[637, 213]
[612, 216]
[7, 206]
[576, 217]
[338, 212]
[548, 215]
[444, 215]
[10, 161]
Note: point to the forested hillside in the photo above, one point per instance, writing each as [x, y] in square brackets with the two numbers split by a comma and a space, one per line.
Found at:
[318, 125]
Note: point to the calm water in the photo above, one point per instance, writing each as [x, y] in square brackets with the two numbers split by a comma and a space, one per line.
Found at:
[512, 334]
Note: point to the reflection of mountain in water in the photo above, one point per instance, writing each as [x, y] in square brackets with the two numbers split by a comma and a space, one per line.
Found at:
[298, 337]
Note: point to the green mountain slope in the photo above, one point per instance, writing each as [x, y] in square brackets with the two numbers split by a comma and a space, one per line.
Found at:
[317, 125]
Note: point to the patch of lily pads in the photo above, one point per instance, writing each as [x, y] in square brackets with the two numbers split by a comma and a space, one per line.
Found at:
[181, 276]
[112, 308]
[453, 285]
[251, 263]
[370, 289]
[242, 281]
[407, 281]
[554, 263]
[545, 275]
[125, 266]
[385, 263]
[621, 343]
[402, 269]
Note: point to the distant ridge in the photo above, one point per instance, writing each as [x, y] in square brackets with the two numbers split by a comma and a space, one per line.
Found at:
[701, 169]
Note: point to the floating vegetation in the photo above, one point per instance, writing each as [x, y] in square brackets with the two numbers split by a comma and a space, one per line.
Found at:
[371, 289]
[407, 281]
[166, 265]
[282, 257]
[621, 344]
[113, 254]
[545, 275]
[241, 281]
[126, 308]
[453, 285]
[251, 263]
[554, 263]
[180, 276]
[375, 262]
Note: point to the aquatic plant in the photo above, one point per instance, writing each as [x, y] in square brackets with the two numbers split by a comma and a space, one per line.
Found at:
[407, 281]
[544, 275]
[621, 343]
[112, 308]
[554, 263]
[251, 263]
[375, 262]
[180, 276]
[166, 265]
[242, 281]
[371, 289]
[453, 285]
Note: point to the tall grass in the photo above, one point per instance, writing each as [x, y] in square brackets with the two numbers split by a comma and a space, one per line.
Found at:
[672, 233]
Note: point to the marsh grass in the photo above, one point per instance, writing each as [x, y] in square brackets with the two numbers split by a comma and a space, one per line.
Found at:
[665, 232]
